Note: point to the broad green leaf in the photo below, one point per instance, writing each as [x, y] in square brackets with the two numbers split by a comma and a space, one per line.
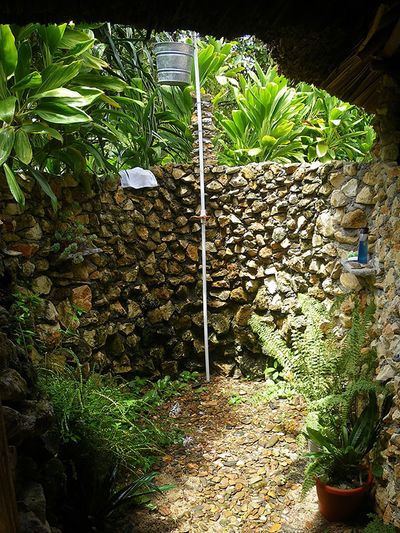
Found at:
[24, 61]
[7, 109]
[57, 75]
[73, 158]
[31, 80]
[128, 101]
[68, 97]
[8, 50]
[90, 94]
[13, 185]
[110, 101]
[45, 187]
[73, 37]
[41, 129]
[108, 83]
[59, 113]
[268, 140]
[322, 149]
[79, 49]
[7, 136]
[92, 62]
[4, 92]
[22, 147]
[52, 34]
[25, 31]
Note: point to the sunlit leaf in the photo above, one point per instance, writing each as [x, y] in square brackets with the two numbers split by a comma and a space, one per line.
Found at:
[254, 151]
[7, 136]
[8, 50]
[7, 109]
[22, 146]
[31, 80]
[41, 129]
[13, 185]
[52, 35]
[59, 113]
[57, 75]
[322, 149]
[84, 97]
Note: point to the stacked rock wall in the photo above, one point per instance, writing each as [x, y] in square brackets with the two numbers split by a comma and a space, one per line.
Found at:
[27, 417]
[386, 223]
[133, 303]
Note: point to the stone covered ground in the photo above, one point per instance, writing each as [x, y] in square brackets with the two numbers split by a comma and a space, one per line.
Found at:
[240, 469]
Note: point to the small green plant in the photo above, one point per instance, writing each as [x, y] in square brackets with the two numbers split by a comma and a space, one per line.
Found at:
[236, 399]
[187, 376]
[95, 496]
[376, 525]
[166, 388]
[342, 451]
[24, 306]
[104, 414]
[71, 242]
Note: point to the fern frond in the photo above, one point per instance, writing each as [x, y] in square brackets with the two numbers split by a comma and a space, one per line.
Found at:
[272, 343]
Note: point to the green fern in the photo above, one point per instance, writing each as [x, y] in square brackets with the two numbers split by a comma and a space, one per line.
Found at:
[376, 525]
[317, 363]
[354, 363]
[310, 361]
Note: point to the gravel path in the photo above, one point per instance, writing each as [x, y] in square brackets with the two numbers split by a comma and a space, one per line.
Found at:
[240, 470]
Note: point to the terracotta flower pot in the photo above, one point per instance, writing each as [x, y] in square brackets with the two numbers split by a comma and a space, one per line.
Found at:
[339, 505]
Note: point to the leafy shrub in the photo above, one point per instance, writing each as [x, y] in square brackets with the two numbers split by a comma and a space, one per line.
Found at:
[110, 418]
[275, 121]
[315, 361]
[343, 450]
[109, 441]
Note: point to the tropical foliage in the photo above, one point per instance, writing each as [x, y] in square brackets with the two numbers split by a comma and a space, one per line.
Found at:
[334, 129]
[275, 121]
[335, 375]
[342, 450]
[265, 126]
[317, 362]
[109, 440]
[51, 80]
[86, 100]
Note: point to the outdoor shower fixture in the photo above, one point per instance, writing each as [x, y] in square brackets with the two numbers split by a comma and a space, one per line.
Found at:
[174, 67]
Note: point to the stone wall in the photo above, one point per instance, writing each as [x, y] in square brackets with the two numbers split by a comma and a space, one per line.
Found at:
[386, 224]
[35, 467]
[134, 302]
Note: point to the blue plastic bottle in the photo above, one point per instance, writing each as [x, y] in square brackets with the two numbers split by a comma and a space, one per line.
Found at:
[363, 246]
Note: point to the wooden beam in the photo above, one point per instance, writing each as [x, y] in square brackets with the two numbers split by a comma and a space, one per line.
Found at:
[8, 506]
[393, 42]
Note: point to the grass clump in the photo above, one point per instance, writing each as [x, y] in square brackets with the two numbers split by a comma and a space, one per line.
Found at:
[107, 416]
[110, 439]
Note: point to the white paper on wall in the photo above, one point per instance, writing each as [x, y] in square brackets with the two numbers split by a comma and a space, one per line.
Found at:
[137, 178]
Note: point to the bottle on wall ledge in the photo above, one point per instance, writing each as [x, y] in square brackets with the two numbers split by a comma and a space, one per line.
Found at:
[363, 246]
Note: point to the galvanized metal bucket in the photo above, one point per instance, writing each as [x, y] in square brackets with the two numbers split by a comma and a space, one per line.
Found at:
[174, 63]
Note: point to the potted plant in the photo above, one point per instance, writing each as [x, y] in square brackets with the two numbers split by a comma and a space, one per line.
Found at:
[340, 467]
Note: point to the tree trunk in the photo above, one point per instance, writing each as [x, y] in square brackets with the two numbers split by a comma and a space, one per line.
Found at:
[8, 507]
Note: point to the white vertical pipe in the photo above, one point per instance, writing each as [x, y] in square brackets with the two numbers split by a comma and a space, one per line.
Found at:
[203, 214]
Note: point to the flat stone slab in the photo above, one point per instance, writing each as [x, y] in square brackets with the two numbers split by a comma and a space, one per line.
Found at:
[360, 269]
